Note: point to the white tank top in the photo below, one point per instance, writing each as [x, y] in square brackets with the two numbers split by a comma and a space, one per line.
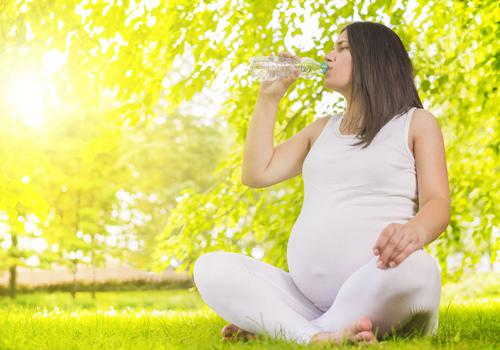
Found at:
[350, 195]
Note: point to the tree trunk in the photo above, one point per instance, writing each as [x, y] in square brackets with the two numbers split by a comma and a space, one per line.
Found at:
[13, 272]
[93, 282]
[73, 289]
[12, 281]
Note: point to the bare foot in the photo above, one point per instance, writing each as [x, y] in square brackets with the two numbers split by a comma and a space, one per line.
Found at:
[360, 331]
[231, 332]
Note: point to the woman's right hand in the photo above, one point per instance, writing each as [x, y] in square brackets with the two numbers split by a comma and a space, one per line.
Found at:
[276, 89]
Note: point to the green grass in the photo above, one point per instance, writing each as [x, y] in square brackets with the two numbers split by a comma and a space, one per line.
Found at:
[178, 319]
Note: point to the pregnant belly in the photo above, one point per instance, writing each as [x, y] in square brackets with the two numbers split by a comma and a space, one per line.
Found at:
[323, 253]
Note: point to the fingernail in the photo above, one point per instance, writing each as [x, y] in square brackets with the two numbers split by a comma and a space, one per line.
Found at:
[380, 263]
[392, 264]
[375, 251]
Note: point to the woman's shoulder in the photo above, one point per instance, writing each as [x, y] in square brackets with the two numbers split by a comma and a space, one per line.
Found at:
[422, 120]
[424, 126]
[424, 114]
[318, 125]
[328, 116]
[325, 119]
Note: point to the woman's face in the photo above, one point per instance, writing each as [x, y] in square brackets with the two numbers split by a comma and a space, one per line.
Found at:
[338, 76]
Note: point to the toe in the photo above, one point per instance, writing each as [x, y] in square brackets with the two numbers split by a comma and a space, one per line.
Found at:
[363, 324]
[229, 329]
[365, 336]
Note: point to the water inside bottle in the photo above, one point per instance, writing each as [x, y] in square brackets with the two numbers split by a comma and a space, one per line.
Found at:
[270, 70]
[308, 69]
[278, 67]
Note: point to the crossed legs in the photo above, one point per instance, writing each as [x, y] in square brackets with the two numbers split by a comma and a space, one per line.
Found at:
[261, 298]
[255, 296]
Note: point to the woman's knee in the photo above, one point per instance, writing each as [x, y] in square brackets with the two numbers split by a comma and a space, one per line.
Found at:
[418, 271]
[422, 267]
[213, 268]
[206, 267]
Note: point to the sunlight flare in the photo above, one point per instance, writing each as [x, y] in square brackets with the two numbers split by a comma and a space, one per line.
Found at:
[26, 96]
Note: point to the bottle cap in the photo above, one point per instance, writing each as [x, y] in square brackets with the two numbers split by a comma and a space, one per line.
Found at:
[324, 67]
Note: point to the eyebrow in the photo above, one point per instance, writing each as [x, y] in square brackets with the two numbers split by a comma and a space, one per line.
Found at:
[341, 41]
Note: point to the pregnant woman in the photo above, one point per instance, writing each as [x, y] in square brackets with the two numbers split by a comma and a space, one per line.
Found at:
[375, 192]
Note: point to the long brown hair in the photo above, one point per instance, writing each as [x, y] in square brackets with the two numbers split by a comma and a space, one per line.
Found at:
[382, 79]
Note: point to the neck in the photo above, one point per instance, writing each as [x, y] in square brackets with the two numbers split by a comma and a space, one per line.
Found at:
[351, 119]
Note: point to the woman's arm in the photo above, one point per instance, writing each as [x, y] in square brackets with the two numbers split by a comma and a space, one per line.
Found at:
[259, 143]
[398, 241]
[433, 215]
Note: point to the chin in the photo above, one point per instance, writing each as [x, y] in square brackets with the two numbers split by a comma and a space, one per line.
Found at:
[328, 86]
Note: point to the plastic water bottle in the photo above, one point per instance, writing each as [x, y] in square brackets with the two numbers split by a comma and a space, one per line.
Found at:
[279, 67]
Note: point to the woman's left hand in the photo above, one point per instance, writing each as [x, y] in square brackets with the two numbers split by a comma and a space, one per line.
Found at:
[395, 243]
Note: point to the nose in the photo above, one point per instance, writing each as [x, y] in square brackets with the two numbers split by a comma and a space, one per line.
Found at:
[328, 59]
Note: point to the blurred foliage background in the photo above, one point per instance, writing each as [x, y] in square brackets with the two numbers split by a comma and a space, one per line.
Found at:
[122, 125]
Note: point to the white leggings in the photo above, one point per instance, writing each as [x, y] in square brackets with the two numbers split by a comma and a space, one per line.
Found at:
[261, 298]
